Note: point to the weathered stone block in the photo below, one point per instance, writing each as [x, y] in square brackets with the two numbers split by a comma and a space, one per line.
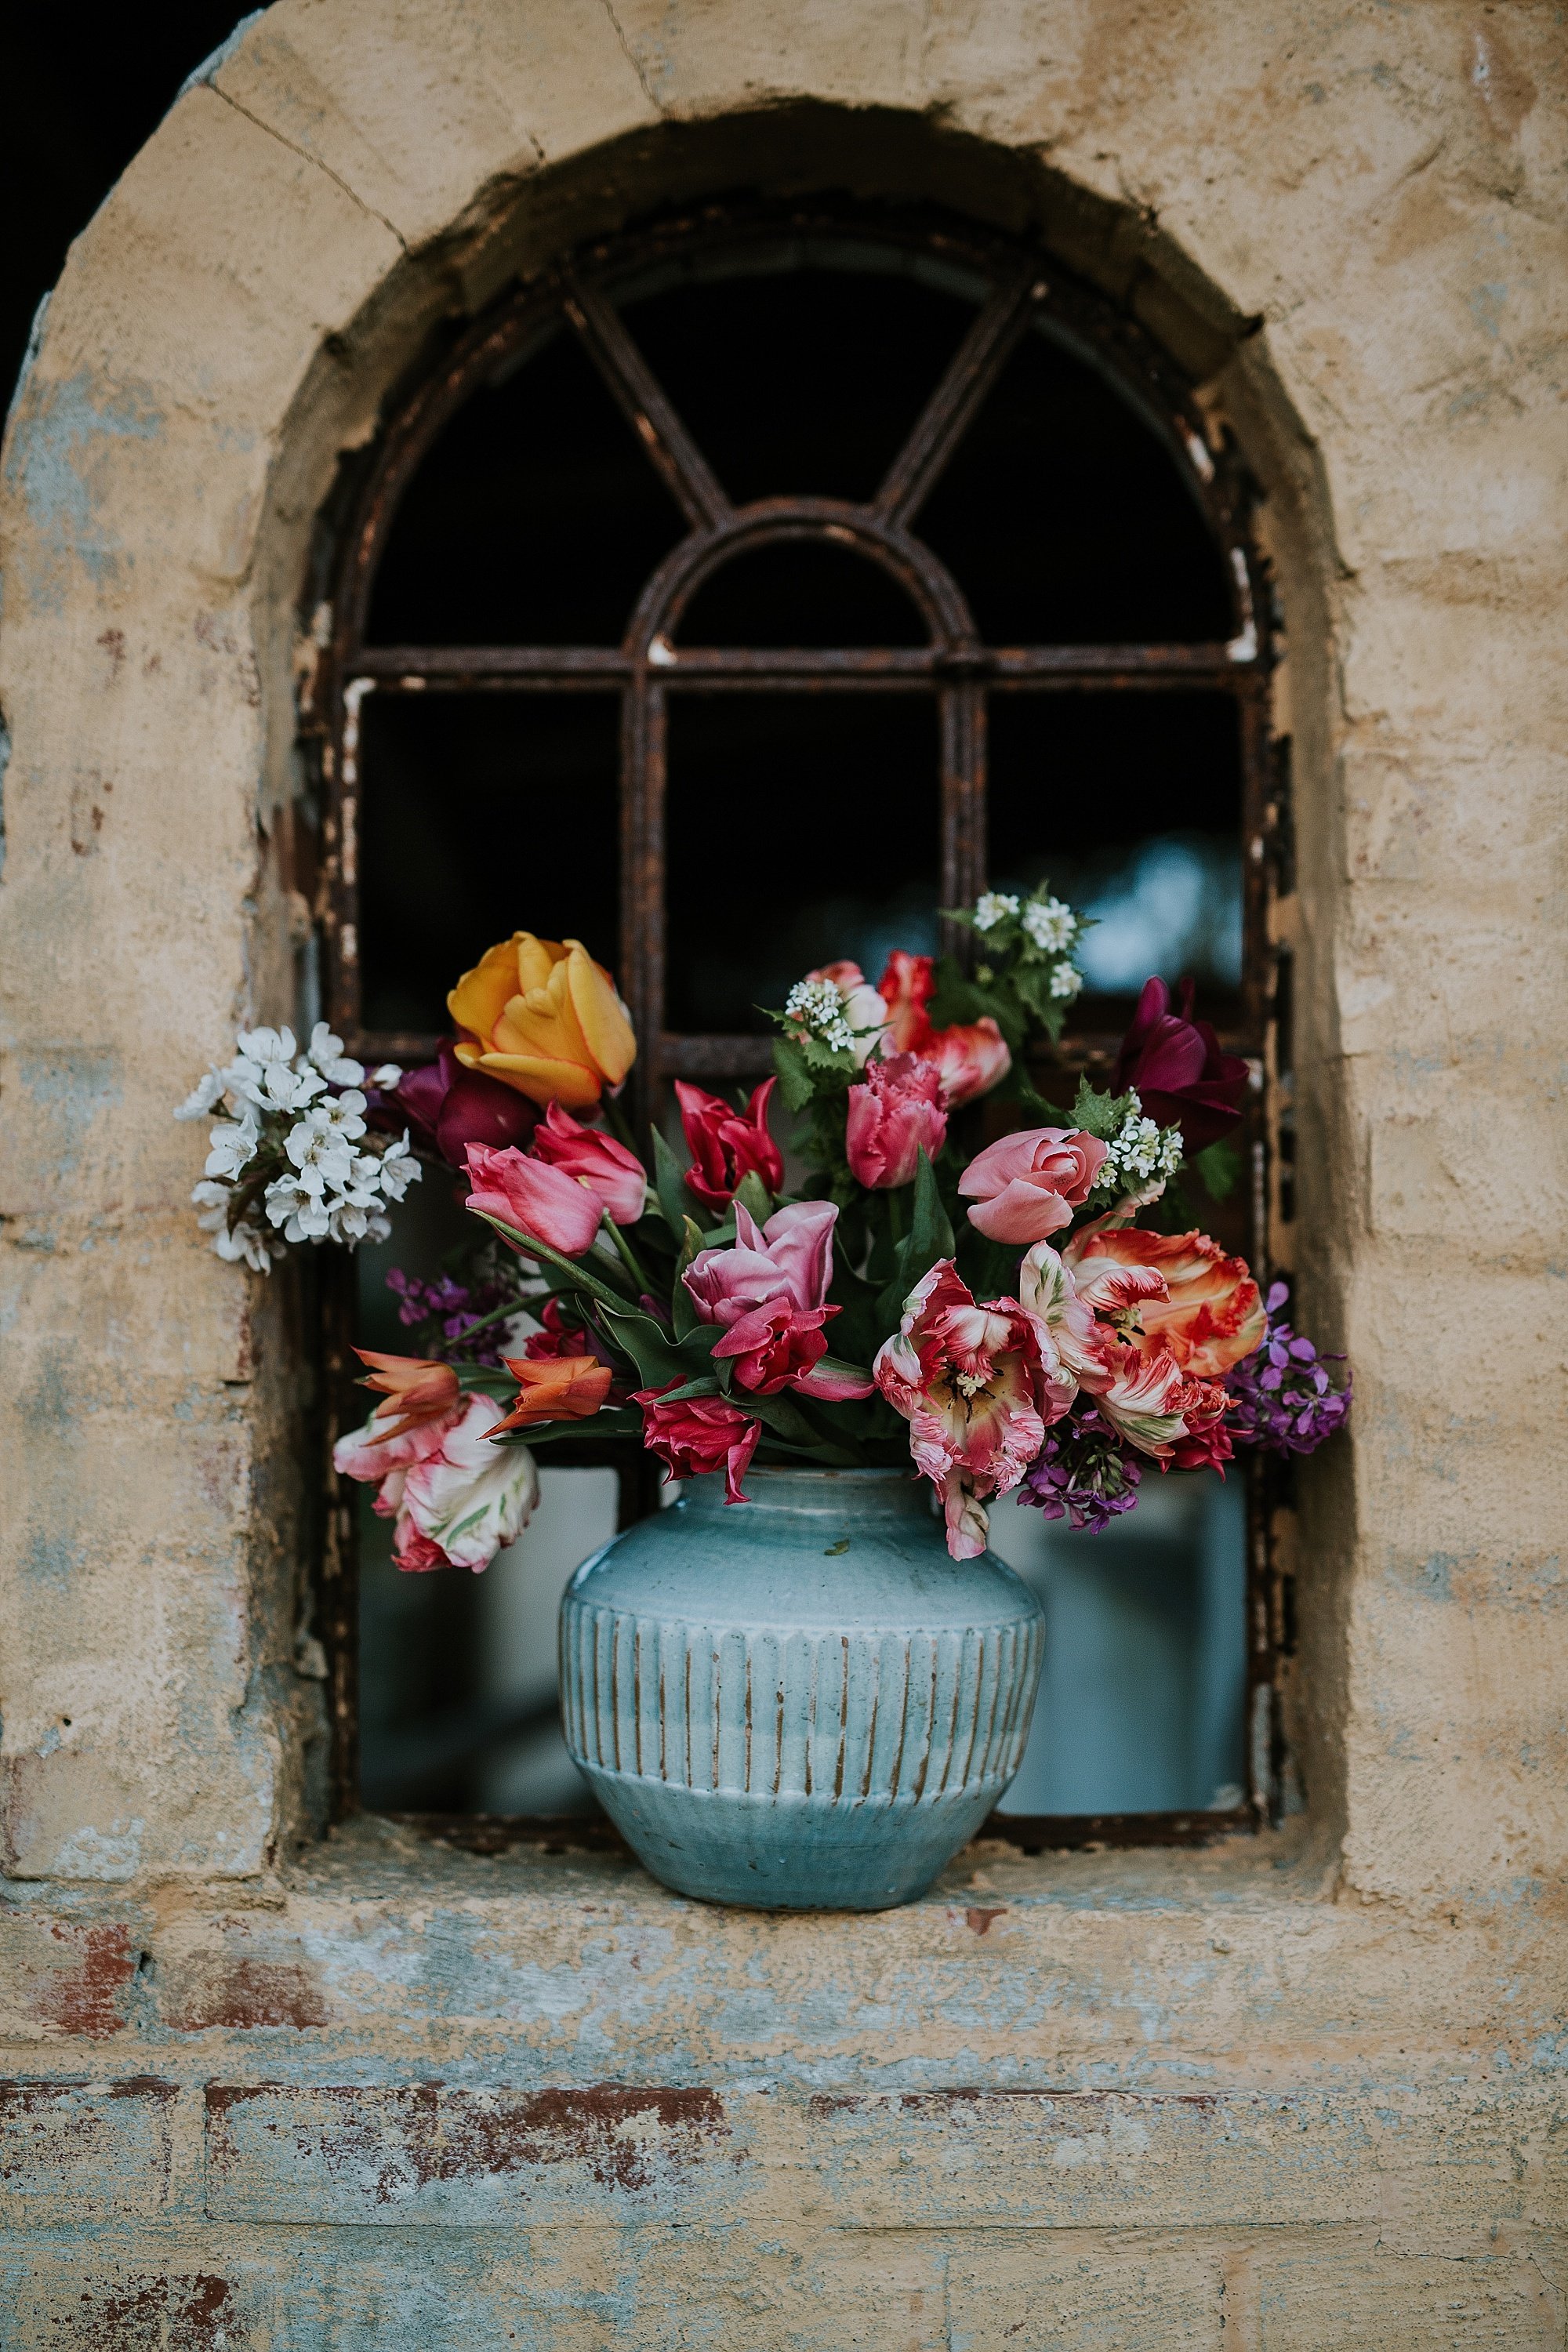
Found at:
[72, 2150]
[432, 2152]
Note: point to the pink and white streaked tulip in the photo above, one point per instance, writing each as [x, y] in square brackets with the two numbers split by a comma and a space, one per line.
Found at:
[606, 1167]
[894, 1116]
[540, 1200]
[979, 1386]
[770, 1293]
[968, 1060]
[1091, 1317]
[456, 1498]
[1028, 1184]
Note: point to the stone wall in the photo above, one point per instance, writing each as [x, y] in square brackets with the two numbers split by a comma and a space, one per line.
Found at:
[270, 2091]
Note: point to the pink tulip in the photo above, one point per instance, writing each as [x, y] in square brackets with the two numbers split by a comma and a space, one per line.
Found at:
[773, 1344]
[456, 1497]
[1028, 1184]
[979, 1388]
[540, 1200]
[614, 1175]
[790, 1257]
[968, 1061]
[895, 1115]
[1091, 1318]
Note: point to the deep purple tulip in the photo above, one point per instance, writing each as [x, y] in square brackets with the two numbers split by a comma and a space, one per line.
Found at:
[448, 1108]
[1175, 1063]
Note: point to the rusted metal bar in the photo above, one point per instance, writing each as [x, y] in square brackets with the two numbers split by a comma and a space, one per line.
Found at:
[1047, 1832]
[644, 775]
[686, 471]
[417, 669]
[962, 719]
[949, 411]
[714, 1057]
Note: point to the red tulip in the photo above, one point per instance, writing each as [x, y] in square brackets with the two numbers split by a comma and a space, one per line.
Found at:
[907, 987]
[543, 1201]
[727, 1144]
[1182, 1077]
[892, 1118]
[698, 1434]
[448, 1108]
[609, 1170]
[775, 1345]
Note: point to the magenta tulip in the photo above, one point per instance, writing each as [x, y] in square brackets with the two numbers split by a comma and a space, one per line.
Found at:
[1182, 1077]
[448, 1108]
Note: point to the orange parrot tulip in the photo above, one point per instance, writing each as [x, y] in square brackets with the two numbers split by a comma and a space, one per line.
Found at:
[542, 1016]
[415, 1389]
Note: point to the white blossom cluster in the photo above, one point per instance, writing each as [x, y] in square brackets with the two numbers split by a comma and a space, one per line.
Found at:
[994, 907]
[1066, 981]
[1139, 1153]
[1050, 923]
[818, 1006]
[291, 1161]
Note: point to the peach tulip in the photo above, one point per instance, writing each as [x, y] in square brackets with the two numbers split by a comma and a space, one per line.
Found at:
[1205, 1306]
[543, 1017]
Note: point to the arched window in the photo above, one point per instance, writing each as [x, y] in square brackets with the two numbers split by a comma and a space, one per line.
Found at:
[735, 598]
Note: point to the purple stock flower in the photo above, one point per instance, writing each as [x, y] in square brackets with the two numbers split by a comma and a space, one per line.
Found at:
[1082, 1473]
[453, 1308]
[1281, 1395]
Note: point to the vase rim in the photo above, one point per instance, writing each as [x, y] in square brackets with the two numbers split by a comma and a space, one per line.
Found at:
[813, 1487]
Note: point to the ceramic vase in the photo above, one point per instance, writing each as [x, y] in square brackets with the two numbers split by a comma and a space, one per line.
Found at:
[799, 1702]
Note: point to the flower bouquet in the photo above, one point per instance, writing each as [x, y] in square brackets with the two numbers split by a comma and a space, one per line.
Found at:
[953, 1273]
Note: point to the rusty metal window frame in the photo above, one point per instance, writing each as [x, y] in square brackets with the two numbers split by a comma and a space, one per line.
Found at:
[1025, 285]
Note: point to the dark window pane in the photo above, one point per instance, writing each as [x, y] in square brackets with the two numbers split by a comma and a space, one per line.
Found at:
[802, 828]
[1130, 805]
[801, 593]
[534, 520]
[1066, 520]
[1142, 1703]
[480, 815]
[804, 379]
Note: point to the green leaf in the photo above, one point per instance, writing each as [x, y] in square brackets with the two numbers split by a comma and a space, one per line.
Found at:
[754, 1196]
[1097, 1115]
[676, 1201]
[646, 1343]
[1218, 1165]
[797, 1085]
[683, 1307]
[931, 1235]
[571, 1276]
[620, 1421]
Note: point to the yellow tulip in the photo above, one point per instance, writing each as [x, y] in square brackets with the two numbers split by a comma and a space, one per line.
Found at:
[542, 1016]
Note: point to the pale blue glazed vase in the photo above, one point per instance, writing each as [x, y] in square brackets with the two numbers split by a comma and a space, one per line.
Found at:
[800, 1703]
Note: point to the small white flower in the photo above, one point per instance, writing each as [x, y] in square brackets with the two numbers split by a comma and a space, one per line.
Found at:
[1066, 981]
[992, 908]
[1050, 923]
[398, 1168]
[234, 1143]
[281, 1089]
[353, 1221]
[213, 1201]
[203, 1096]
[297, 1208]
[321, 1157]
[390, 1075]
[249, 1244]
[340, 1115]
[818, 1006]
[327, 1053]
[264, 1046]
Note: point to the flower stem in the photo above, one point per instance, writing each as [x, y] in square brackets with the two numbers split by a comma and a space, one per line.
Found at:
[628, 1259]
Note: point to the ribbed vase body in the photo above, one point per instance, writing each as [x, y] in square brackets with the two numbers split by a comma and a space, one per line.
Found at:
[800, 1701]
